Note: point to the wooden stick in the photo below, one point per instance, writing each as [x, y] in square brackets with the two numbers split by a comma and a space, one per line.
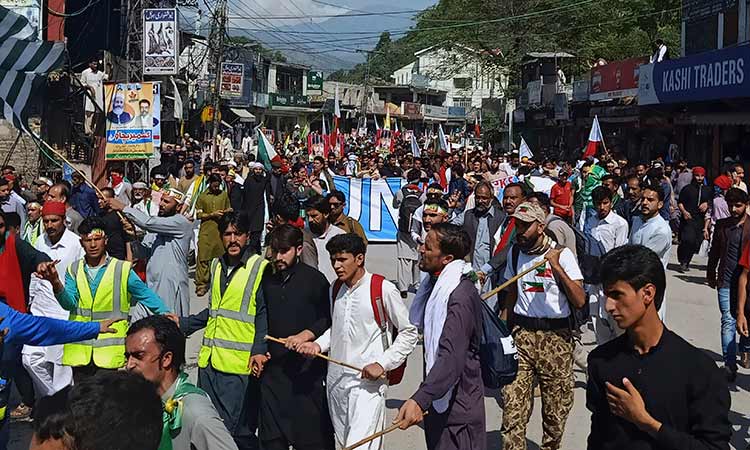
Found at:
[318, 355]
[513, 280]
[377, 435]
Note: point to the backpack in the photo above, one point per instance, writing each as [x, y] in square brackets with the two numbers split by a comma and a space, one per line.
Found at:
[411, 202]
[588, 251]
[381, 317]
[498, 356]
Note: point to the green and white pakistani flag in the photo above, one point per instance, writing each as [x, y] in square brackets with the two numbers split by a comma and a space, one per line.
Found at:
[266, 153]
[25, 61]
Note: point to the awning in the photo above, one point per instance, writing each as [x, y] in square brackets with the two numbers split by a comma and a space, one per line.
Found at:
[243, 114]
[714, 119]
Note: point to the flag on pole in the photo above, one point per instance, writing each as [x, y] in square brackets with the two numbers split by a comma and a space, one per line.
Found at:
[595, 139]
[524, 149]
[415, 151]
[24, 64]
[336, 117]
[177, 100]
[387, 122]
[477, 127]
[305, 131]
[336, 109]
[324, 132]
[375, 118]
[443, 141]
[266, 153]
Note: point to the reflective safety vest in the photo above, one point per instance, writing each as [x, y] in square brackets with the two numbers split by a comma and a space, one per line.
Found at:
[111, 301]
[230, 331]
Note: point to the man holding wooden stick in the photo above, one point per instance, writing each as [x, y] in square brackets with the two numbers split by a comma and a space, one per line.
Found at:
[357, 398]
[539, 311]
[447, 309]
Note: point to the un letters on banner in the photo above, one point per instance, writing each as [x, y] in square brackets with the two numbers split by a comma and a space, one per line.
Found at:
[371, 203]
[129, 120]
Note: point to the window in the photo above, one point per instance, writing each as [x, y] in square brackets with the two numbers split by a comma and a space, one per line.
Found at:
[701, 35]
[731, 26]
[288, 83]
[462, 102]
[463, 83]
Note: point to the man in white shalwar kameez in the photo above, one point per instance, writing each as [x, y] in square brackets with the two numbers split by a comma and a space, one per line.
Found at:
[356, 400]
[44, 364]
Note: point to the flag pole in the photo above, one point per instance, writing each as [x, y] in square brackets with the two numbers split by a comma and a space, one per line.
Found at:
[38, 138]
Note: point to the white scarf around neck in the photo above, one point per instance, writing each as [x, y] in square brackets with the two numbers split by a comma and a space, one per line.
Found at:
[428, 313]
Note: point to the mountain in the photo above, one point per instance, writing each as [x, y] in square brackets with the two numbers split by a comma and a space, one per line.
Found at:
[324, 45]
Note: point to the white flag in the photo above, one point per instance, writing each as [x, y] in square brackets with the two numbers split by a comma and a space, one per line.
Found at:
[525, 150]
[177, 101]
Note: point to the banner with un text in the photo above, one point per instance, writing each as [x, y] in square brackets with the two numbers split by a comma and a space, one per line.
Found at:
[371, 203]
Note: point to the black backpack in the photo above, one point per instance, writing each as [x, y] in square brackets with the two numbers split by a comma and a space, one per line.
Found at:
[588, 250]
[411, 202]
[498, 356]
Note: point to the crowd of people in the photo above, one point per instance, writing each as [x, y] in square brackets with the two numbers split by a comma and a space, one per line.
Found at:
[98, 279]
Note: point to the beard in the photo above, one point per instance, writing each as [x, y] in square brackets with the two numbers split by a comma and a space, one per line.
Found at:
[317, 229]
[117, 111]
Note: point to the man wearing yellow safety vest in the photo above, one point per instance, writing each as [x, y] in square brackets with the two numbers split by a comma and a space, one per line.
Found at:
[235, 325]
[99, 287]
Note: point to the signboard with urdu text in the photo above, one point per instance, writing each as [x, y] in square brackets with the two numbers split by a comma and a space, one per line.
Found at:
[129, 120]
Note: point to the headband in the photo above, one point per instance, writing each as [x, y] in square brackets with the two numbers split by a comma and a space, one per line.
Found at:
[435, 207]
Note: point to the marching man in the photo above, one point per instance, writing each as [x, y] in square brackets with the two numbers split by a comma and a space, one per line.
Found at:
[357, 399]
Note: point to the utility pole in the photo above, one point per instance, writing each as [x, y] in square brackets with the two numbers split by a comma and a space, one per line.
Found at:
[134, 43]
[216, 46]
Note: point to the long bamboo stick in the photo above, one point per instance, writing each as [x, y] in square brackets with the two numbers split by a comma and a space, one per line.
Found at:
[513, 280]
[320, 355]
[376, 435]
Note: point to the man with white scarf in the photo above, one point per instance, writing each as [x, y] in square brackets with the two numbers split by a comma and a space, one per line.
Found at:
[356, 400]
[448, 310]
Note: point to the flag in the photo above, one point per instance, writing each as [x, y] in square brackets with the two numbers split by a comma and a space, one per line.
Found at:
[305, 131]
[336, 117]
[177, 100]
[443, 141]
[415, 147]
[524, 149]
[336, 110]
[387, 122]
[595, 138]
[266, 153]
[324, 132]
[477, 128]
[395, 125]
[24, 64]
[375, 118]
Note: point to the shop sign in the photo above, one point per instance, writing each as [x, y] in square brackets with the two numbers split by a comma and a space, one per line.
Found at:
[708, 76]
[457, 111]
[314, 82]
[437, 112]
[411, 110]
[534, 89]
[288, 100]
[615, 80]
[232, 79]
[160, 41]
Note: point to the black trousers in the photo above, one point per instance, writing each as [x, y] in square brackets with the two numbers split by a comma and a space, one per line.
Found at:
[691, 237]
[283, 444]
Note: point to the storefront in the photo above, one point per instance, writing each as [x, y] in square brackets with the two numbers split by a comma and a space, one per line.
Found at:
[708, 97]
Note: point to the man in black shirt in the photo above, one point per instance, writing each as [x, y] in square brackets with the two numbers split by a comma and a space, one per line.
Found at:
[693, 203]
[117, 237]
[649, 388]
[293, 407]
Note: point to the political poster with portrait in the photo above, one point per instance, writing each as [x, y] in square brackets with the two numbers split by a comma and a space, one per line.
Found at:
[160, 44]
[129, 120]
[232, 76]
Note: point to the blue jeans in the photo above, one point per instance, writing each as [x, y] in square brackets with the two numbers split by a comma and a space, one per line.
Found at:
[729, 331]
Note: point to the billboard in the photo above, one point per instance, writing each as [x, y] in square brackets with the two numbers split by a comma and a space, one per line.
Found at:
[615, 80]
[314, 82]
[706, 76]
[232, 78]
[160, 45]
[129, 111]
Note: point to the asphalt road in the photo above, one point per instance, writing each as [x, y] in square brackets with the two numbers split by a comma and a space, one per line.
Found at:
[692, 313]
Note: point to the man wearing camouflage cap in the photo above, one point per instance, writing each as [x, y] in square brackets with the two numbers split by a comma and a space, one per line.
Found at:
[539, 308]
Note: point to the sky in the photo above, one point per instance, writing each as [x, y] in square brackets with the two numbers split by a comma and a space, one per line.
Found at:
[295, 27]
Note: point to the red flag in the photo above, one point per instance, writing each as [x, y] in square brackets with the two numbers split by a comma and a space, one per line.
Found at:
[477, 128]
[595, 139]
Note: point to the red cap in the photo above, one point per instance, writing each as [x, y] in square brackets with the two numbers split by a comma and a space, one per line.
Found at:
[698, 170]
[53, 209]
[723, 182]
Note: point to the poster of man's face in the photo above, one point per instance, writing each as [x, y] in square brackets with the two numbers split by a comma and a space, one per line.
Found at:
[144, 107]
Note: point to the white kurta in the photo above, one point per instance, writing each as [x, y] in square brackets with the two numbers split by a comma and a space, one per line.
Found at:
[324, 260]
[44, 364]
[357, 406]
